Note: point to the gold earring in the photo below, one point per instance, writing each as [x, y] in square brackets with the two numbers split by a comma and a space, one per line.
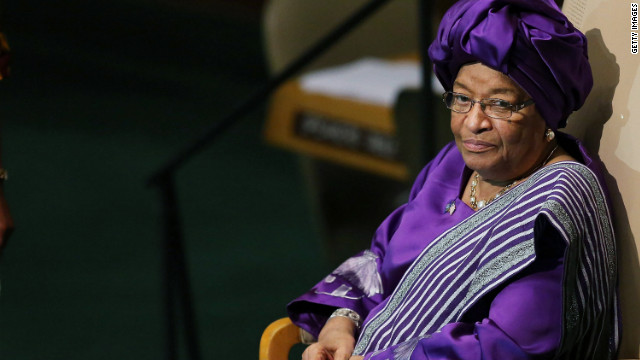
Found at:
[550, 135]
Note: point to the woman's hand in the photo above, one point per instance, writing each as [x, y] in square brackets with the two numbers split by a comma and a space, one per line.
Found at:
[335, 342]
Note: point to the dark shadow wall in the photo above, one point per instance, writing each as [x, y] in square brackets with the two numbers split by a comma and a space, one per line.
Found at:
[101, 94]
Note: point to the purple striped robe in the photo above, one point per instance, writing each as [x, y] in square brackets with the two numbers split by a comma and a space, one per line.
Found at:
[531, 275]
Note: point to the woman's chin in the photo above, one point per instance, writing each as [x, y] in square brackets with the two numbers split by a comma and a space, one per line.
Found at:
[479, 161]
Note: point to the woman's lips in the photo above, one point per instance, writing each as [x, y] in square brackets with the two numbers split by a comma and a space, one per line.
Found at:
[477, 145]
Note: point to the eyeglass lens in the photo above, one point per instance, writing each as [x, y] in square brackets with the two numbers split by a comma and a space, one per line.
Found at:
[494, 108]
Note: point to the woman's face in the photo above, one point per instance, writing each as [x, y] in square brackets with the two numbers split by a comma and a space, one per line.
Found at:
[498, 150]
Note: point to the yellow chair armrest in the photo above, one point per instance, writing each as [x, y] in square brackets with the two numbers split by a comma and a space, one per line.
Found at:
[278, 338]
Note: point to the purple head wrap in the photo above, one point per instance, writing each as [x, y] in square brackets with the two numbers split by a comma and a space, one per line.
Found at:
[530, 41]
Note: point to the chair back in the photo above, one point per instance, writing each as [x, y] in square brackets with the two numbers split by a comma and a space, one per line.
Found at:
[609, 125]
[292, 26]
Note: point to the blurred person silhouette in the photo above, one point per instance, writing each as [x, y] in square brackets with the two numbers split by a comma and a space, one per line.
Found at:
[6, 221]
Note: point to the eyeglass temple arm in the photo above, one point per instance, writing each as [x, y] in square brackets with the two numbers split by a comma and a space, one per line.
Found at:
[523, 105]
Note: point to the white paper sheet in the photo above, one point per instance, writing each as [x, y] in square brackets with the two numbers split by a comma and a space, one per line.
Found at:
[368, 80]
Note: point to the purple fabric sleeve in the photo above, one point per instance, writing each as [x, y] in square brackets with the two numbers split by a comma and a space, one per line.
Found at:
[311, 310]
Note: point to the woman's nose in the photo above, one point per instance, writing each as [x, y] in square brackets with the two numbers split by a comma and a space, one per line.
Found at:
[477, 121]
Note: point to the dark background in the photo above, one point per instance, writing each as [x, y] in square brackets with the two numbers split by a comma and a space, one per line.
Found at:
[101, 94]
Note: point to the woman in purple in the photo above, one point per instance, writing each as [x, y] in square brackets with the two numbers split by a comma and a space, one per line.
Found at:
[505, 249]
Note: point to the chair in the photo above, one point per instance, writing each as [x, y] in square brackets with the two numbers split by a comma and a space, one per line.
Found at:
[291, 26]
[608, 124]
[279, 337]
[338, 182]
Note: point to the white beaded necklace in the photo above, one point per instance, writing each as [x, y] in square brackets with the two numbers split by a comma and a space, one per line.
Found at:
[479, 204]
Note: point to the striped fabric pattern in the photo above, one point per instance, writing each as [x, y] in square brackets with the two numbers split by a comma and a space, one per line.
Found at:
[488, 248]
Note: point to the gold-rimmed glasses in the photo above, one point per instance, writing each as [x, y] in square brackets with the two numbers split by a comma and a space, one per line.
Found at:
[493, 108]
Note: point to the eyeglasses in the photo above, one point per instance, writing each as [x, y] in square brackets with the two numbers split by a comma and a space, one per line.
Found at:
[493, 108]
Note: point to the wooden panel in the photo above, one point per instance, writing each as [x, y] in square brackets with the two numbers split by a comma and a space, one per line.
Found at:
[363, 142]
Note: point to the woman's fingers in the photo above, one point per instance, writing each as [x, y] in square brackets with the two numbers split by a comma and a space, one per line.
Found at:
[316, 352]
[341, 354]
